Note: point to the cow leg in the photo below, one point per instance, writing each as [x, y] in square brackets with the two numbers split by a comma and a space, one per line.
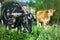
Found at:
[8, 27]
[45, 23]
[38, 24]
[1, 21]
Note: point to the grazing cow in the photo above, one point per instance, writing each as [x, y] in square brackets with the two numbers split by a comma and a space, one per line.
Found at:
[14, 16]
[44, 16]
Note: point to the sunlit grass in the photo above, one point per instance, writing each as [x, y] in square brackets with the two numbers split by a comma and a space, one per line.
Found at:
[52, 33]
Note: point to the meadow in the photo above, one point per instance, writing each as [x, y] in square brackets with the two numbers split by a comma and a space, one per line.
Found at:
[38, 33]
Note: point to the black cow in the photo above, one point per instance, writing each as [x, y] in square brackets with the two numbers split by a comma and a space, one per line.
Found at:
[14, 16]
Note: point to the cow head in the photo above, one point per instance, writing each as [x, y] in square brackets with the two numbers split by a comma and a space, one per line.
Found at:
[11, 19]
[51, 11]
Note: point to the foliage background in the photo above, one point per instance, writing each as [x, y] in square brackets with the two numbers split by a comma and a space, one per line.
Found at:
[47, 4]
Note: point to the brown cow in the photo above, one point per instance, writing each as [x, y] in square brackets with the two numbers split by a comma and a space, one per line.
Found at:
[44, 16]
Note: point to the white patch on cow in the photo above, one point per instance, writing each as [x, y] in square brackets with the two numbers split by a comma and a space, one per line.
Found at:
[16, 14]
[8, 13]
[29, 17]
[2, 21]
[12, 25]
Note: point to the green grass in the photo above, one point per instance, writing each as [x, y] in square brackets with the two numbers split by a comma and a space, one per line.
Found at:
[51, 33]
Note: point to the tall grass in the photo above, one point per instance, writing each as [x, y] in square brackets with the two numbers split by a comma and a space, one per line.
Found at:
[38, 33]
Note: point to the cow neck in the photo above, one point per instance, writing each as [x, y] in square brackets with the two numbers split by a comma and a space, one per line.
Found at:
[49, 13]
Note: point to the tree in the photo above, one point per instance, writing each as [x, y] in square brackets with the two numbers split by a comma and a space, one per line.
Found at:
[5, 2]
